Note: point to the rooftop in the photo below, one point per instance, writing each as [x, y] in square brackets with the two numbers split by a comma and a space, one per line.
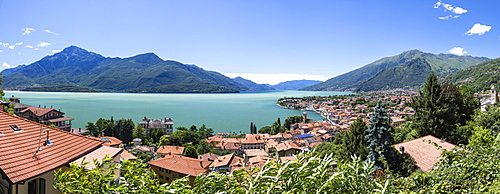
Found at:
[180, 164]
[23, 154]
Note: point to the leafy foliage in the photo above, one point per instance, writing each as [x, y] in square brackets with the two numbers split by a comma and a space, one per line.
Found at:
[60, 88]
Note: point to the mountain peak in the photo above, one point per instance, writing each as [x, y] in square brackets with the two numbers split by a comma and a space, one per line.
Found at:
[150, 58]
[73, 49]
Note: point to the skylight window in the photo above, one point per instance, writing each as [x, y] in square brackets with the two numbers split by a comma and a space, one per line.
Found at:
[105, 140]
[16, 128]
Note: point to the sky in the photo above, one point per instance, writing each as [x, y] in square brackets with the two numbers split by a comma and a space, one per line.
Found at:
[261, 40]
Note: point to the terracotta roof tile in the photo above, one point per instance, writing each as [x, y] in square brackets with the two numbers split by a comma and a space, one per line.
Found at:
[423, 150]
[20, 160]
[126, 155]
[180, 164]
[178, 150]
[98, 154]
[110, 141]
[208, 156]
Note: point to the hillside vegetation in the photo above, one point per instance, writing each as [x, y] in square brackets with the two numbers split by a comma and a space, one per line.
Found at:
[480, 77]
[441, 64]
[407, 75]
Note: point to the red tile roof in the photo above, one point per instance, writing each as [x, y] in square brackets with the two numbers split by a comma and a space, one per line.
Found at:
[126, 155]
[98, 154]
[229, 160]
[423, 150]
[19, 159]
[39, 111]
[178, 150]
[110, 141]
[208, 156]
[180, 164]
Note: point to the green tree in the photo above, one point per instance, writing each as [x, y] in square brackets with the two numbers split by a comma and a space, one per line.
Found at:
[139, 132]
[439, 109]
[203, 147]
[190, 151]
[92, 129]
[105, 126]
[155, 134]
[380, 140]
[481, 137]
[265, 129]
[126, 126]
[353, 142]
[292, 120]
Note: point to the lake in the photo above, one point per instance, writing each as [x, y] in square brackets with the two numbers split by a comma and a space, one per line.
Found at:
[222, 112]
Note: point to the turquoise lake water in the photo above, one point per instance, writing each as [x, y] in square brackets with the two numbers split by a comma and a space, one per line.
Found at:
[222, 112]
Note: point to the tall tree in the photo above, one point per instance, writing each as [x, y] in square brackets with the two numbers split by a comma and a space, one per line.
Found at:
[380, 140]
[439, 109]
[125, 126]
[139, 132]
[353, 142]
[292, 120]
[93, 130]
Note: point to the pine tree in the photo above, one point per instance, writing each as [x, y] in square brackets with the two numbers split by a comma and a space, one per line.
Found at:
[353, 142]
[380, 140]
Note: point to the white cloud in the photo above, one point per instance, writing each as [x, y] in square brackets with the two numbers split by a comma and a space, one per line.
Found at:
[4, 44]
[478, 29]
[36, 49]
[50, 32]
[274, 79]
[5, 65]
[1, 51]
[56, 51]
[457, 51]
[459, 10]
[19, 43]
[28, 46]
[449, 7]
[12, 46]
[43, 44]
[27, 31]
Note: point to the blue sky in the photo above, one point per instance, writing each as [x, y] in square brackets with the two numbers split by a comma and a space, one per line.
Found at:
[266, 41]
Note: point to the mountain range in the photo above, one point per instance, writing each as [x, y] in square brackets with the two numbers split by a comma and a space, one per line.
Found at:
[392, 72]
[75, 66]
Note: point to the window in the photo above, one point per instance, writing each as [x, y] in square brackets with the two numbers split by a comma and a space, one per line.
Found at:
[161, 176]
[168, 171]
[162, 170]
[41, 187]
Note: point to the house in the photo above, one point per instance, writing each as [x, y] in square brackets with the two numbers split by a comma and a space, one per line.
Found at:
[169, 150]
[253, 141]
[99, 155]
[166, 124]
[225, 163]
[47, 116]
[31, 152]
[3, 104]
[18, 106]
[287, 149]
[173, 167]
[424, 151]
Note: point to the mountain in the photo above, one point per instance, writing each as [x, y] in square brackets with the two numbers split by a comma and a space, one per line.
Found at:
[480, 77]
[441, 64]
[141, 73]
[252, 86]
[410, 74]
[12, 70]
[295, 84]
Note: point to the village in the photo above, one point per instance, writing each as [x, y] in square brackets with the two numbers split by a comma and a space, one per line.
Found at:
[42, 149]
